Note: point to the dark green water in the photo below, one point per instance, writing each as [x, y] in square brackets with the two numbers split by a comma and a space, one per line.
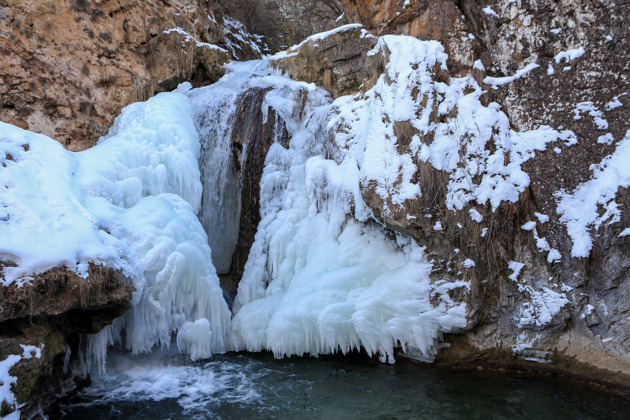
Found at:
[256, 386]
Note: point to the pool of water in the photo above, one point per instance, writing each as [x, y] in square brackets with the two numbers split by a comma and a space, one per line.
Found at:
[256, 386]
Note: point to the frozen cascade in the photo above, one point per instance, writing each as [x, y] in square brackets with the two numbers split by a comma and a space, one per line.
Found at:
[322, 276]
[220, 203]
[164, 248]
[129, 202]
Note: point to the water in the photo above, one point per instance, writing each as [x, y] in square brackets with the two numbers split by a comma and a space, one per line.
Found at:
[256, 386]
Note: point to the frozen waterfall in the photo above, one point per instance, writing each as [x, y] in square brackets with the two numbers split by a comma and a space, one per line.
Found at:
[160, 199]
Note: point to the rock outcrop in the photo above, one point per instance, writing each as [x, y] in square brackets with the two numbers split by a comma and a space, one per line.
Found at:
[579, 85]
[69, 67]
[284, 23]
[50, 312]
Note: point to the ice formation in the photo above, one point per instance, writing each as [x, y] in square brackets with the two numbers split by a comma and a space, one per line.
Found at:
[319, 279]
[130, 203]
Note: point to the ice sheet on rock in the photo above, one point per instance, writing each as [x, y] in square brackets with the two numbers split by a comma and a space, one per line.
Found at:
[593, 203]
[130, 202]
[320, 277]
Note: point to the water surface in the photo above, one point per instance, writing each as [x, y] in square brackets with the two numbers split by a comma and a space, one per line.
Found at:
[256, 386]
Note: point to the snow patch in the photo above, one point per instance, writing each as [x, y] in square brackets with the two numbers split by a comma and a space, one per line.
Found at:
[6, 380]
[516, 268]
[190, 38]
[498, 81]
[569, 55]
[488, 11]
[592, 203]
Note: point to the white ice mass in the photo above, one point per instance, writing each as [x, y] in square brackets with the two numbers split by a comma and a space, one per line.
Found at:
[130, 202]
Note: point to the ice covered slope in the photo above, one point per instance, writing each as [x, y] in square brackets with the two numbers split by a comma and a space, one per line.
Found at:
[130, 202]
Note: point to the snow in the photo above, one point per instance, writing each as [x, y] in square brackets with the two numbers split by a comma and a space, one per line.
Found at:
[569, 55]
[516, 268]
[606, 139]
[323, 35]
[580, 210]
[556, 31]
[475, 215]
[543, 306]
[478, 65]
[437, 226]
[190, 38]
[625, 232]
[529, 226]
[6, 380]
[488, 11]
[593, 111]
[364, 132]
[543, 246]
[542, 218]
[498, 81]
[468, 263]
[615, 103]
[235, 33]
[588, 309]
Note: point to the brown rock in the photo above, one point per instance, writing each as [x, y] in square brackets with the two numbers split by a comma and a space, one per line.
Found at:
[338, 63]
[50, 312]
[69, 67]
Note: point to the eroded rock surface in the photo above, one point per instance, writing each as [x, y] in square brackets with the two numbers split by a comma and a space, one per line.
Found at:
[49, 313]
[69, 67]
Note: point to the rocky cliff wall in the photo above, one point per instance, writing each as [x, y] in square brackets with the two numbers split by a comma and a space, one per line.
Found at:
[578, 82]
[49, 313]
[69, 67]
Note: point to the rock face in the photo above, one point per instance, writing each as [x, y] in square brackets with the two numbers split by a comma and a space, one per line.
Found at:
[284, 23]
[338, 63]
[579, 86]
[49, 313]
[69, 67]
[254, 130]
